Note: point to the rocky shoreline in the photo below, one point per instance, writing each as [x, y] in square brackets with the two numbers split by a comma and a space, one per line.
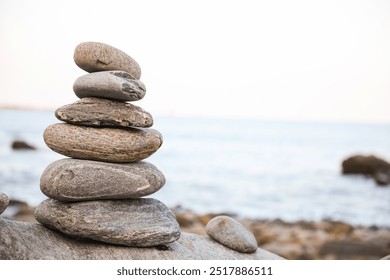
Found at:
[305, 240]
[292, 240]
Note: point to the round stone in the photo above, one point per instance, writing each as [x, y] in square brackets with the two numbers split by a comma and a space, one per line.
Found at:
[103, 112]
[232, 234]
[81, 180]
[95, 56]
[142, 222]
[102, 144]
[118, 85]
[4, 201]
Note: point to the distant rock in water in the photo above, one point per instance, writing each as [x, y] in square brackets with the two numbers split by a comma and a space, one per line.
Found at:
[21, 145]
[371, 166]
[232, 234]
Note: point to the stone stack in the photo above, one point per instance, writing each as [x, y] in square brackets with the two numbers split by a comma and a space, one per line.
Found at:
[97, 192]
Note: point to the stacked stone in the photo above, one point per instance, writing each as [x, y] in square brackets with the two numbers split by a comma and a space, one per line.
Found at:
[97, 193]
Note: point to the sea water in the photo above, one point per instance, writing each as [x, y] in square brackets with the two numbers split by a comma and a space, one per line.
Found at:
[252, 168]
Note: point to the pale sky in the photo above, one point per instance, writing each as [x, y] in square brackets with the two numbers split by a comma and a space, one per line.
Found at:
[284, 60]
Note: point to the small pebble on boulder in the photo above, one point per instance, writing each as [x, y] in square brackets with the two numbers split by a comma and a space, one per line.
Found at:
[232, 234]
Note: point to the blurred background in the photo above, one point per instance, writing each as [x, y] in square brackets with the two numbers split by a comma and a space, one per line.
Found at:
[259, 102]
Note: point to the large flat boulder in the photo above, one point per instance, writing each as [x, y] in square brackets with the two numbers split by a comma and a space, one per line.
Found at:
[30, 241]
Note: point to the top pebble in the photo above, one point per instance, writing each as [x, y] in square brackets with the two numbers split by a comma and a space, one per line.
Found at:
[94, 57]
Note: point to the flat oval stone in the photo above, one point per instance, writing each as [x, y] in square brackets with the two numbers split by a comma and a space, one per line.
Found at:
[95, 56]
[4, 201]
[117, 85]
[81, 180]
[102, 144]
[142, 222]
[91, 111]
[232, 234]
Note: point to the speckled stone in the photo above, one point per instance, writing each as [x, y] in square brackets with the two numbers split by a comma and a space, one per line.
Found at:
[103, 112]
[4, 201]
[102, 144]
[81, 180]
[95, 56]
[232, 234]
[117, 85]
[142, 222]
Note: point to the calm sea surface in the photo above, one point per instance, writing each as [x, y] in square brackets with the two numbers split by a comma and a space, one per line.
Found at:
[259, 169]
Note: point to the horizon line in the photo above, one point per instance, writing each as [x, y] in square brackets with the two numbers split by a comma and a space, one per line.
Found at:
[213, 116]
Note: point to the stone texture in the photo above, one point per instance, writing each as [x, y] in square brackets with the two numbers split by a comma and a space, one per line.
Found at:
[232, 234]
[28, 241]
[102, 144]
[95, 56]
[4, 201]
[103, 112]
[117, 85]
[80, 180]
[143, 222]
